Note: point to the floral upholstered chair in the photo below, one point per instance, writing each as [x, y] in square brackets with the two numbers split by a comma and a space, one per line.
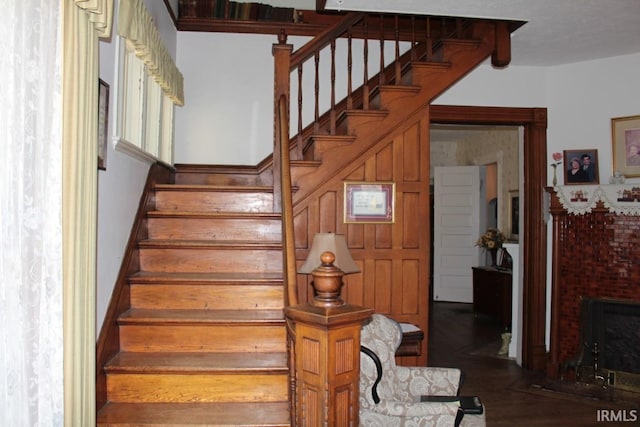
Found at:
[390, 395]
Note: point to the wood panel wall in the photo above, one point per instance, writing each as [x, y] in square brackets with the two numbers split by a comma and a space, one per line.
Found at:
[393, 258]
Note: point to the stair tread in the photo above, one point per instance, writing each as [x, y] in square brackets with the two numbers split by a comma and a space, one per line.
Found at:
[266, 414]
[214, 187]
[199, 214]
[373, 113]
[431, 64]
[214, 277]
[145, 315]
[399, 88]
[198, 362]
[230, 244]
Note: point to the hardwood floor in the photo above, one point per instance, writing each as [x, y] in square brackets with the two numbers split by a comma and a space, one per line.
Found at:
[513, 396]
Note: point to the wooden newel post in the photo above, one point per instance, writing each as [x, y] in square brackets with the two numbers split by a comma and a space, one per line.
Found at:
[327, 349]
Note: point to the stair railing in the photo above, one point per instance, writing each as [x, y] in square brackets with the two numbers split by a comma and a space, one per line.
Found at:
[413, 39]
[400, 39]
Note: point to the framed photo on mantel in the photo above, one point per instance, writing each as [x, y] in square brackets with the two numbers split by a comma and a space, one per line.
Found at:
[581, 166]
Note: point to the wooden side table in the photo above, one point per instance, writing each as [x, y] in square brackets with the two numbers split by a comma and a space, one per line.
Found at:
[492, 289]
[411, 344]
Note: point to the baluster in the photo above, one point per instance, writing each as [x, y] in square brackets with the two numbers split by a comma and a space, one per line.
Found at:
[299, 137]
[397, 58]
[413, 38]
[332, 112]
[349, 69]
[365, 61]
[381, 36]
[429, 42]
[316, 115]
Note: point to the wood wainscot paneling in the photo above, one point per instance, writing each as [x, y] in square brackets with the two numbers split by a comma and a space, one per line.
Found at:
[393, 258]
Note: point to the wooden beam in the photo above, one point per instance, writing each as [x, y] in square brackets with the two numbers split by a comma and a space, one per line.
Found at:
[501, 56]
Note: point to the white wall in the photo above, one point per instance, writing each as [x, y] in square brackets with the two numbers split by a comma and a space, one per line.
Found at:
[120, 185]
[228, 113]
[580, 98]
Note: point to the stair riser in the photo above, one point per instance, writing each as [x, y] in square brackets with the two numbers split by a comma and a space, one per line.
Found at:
[211, 297]
[210, 260]
[352, 123]
[451, 48]
[215, 229]
[214, 201]
[299, 171]
[196, 388]
[321, 146]
[188, 178]
[199, 338]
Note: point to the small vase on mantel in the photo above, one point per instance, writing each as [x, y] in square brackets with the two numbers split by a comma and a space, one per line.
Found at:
[494, 257]
[555, 178]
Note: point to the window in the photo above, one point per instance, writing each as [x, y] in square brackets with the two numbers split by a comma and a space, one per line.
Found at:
[149, 85]
[146, 118]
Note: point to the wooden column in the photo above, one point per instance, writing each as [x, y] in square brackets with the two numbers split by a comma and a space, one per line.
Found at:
[327, 352]
[558, 214]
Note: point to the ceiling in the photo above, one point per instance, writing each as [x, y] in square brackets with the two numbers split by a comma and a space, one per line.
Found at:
[557, 31]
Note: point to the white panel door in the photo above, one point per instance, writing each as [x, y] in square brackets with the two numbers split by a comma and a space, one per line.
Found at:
[459, 215]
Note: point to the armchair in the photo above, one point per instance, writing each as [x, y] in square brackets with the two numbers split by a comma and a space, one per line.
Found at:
[390, 394]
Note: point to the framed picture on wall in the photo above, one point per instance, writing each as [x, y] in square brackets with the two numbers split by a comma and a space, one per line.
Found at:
[514, 215]
[103, 122]
[369, 202]
[581, 166]
[625, 143]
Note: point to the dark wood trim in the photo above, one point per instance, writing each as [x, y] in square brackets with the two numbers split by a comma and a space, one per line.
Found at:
[534, 241]
[108, 344]
[312, 23]
[557, 213]
[172, 14]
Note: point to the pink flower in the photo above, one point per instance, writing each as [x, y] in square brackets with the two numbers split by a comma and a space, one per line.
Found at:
[557, 157]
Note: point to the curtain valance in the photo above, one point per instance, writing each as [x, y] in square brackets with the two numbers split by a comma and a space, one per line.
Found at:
[136, 26]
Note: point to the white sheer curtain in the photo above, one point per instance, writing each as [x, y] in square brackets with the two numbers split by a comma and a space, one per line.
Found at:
[31, 318]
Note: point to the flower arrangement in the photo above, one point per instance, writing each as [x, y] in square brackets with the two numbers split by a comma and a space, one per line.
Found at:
[557, 160]
[491, 239]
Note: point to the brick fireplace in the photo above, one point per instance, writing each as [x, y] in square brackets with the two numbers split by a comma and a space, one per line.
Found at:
[596, 256]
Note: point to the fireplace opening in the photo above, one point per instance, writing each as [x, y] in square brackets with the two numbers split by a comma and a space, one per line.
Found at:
[610, 344]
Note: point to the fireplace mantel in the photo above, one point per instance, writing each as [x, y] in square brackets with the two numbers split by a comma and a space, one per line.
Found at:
[595, 254]
[622, 199]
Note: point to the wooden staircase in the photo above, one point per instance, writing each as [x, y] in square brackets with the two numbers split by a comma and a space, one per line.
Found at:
[204, 342]
[202, 338]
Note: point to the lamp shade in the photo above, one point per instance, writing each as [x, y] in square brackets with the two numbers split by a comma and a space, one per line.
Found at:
[334, 243]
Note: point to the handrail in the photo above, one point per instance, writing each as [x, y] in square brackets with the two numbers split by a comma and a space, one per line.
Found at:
[323, 39]
[287, 204]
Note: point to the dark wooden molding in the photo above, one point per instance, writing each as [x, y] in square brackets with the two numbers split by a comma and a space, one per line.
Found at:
[108, 343]
[534, 122]
[311, 23]
[172, 14]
